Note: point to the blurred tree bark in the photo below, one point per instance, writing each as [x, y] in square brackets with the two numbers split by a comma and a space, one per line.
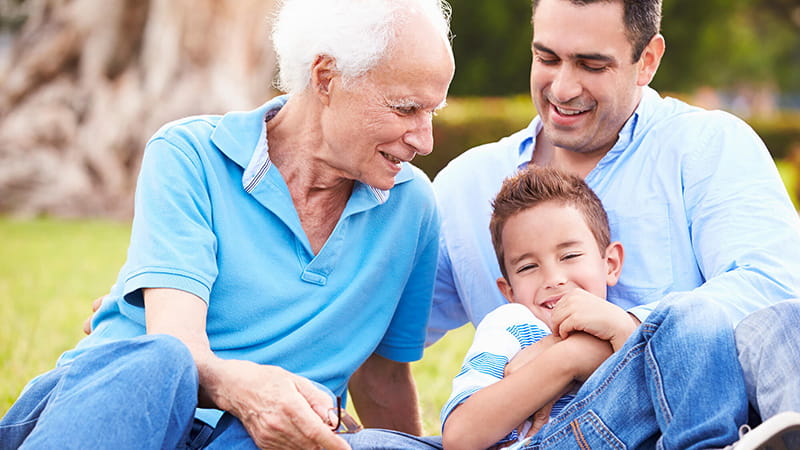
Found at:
[86, 82]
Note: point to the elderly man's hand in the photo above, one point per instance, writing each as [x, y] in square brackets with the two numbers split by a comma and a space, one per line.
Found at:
[279, 410]
[87, 324]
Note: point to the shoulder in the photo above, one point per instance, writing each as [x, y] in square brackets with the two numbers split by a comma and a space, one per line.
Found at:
[692, 123]
[188, 128]
[477, 174]
[485, 158]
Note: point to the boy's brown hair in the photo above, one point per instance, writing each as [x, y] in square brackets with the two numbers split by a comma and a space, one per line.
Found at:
[536, 185]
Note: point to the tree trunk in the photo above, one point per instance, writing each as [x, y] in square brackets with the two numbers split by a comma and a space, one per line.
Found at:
[86, 82]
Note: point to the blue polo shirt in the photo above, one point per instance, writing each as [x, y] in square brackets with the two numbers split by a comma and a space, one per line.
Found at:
[215, 218]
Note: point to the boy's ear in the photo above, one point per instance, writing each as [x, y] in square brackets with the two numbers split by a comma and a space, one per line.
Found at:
[323, 70]
[615, 255]
[505, 289]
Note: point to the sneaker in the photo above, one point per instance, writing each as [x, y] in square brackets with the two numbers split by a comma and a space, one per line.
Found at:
[779, 432]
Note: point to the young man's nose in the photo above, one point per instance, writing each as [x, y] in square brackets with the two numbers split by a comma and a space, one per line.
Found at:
[565, 85]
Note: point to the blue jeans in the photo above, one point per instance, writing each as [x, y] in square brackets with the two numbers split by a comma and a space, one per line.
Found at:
[675, 384]
[768, 343]
[132, 394]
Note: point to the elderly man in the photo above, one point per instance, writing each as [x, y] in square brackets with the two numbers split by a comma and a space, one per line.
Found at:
[273, 253]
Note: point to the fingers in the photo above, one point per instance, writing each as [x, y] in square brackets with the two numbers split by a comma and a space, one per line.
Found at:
[319, 401]
[87, 324]
[96, 303]
[540, 419]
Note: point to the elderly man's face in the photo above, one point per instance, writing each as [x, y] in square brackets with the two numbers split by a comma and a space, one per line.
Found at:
[384, 118]
[583, 82]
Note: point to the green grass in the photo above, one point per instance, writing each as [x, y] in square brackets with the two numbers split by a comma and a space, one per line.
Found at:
[51, 270]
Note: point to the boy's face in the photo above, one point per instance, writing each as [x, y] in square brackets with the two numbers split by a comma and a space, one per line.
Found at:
[549, 251]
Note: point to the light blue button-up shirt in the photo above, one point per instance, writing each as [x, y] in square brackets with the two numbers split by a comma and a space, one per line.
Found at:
[693, 195]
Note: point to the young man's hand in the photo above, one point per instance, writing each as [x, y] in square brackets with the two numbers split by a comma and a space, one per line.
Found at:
[579, 310]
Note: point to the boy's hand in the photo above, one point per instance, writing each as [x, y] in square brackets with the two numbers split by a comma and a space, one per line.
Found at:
[529, 353]
[584, 353]
[579, 310]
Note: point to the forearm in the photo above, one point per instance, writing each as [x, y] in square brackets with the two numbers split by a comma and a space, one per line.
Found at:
[189, 328]
[491, 413]
[385, 396]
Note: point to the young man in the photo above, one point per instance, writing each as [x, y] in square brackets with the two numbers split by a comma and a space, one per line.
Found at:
[693, 194]
[553, 246]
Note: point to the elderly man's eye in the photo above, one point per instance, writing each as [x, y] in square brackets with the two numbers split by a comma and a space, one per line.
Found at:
[405, 109]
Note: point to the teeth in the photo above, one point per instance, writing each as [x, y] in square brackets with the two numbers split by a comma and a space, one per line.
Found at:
[567, 112]
[548, 306]
[391, 158]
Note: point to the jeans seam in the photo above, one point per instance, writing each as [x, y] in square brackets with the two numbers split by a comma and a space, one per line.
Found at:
[576, 429]
[658, 386]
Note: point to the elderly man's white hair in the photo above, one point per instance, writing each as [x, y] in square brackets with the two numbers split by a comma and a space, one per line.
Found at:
[356, 33]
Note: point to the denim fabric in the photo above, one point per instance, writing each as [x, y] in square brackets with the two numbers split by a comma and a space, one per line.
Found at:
[768, 343]
[676, 384]
[391, 440]
[131, 394]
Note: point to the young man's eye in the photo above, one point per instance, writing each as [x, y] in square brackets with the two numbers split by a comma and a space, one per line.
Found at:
[527, 267]
[546, 61]
[571, 256]
[595, 69]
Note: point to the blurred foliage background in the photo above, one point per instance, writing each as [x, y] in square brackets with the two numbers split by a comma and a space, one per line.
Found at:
[724, 44]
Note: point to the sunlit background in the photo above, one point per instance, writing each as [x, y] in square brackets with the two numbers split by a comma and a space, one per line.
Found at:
[84, 83]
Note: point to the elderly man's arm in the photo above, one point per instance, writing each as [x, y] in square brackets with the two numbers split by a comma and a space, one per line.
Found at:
[278, 409]
[385, 395]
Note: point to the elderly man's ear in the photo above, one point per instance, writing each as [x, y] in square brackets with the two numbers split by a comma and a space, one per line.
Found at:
[323, 70]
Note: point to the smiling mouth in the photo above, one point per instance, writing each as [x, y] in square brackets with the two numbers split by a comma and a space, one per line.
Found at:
[391, 158]
[569, 112]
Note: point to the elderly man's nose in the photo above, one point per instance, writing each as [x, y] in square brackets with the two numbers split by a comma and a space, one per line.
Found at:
[421, 137]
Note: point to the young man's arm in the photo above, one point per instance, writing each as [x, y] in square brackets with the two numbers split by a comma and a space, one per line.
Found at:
[491, 413]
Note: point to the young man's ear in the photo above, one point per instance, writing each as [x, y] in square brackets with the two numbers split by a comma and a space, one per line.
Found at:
[323, 70]
[505, 289]
[615, 255]
[650, 60]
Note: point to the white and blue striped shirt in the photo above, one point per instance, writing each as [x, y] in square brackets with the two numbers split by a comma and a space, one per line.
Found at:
[500, 335]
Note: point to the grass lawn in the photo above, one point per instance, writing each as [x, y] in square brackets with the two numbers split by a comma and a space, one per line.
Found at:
[51, 270]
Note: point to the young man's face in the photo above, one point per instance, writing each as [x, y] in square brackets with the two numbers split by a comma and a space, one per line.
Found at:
[583, 82]
[549, 251]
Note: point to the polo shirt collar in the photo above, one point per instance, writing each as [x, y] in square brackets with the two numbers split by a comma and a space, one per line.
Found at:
[242, 137]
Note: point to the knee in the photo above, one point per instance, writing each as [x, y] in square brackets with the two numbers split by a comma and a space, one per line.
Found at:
[778, 320]
[697, 311]
[165, 352]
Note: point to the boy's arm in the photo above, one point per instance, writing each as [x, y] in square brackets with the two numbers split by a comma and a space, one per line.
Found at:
[491, 413]
[579, 310]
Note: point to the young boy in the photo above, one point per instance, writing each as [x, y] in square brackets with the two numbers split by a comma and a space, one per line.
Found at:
[552, 240]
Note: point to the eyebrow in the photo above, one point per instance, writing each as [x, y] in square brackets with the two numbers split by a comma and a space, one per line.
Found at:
[586, 56]
[408, 103]
[560, 246]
